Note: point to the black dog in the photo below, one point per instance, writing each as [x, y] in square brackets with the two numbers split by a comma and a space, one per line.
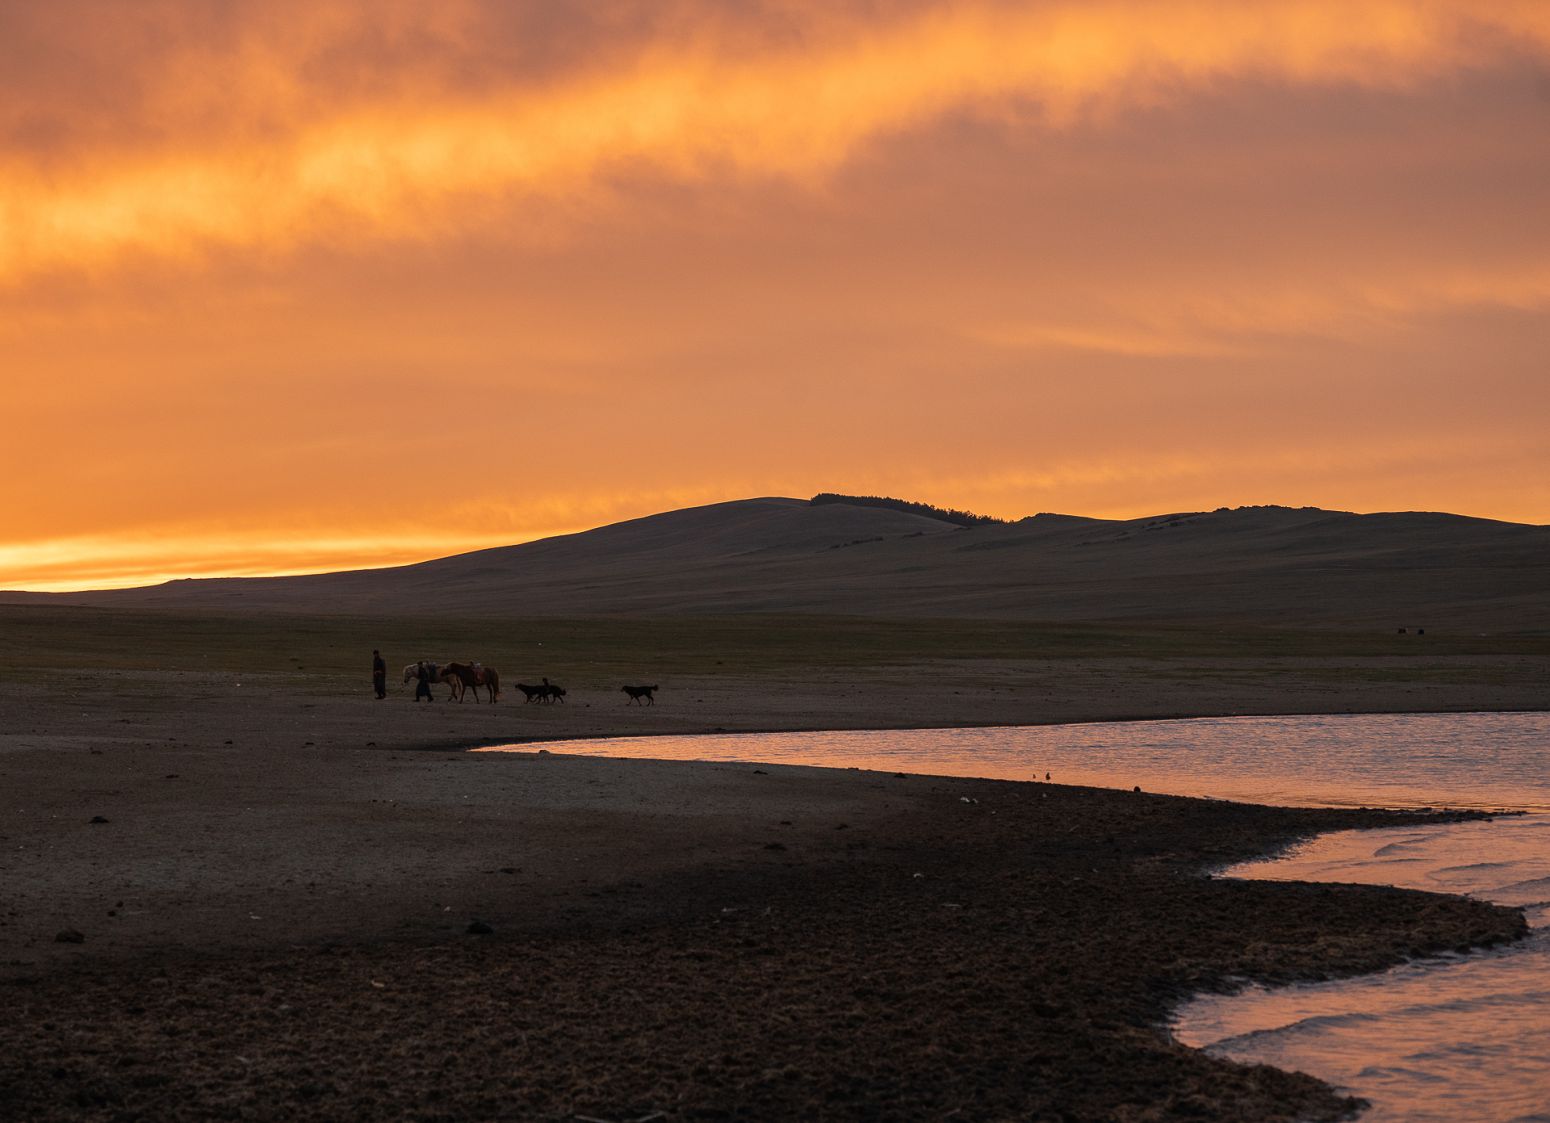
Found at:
[636, 693]
[545, 692]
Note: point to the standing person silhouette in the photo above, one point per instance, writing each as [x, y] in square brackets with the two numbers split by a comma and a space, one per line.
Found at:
[378, 674]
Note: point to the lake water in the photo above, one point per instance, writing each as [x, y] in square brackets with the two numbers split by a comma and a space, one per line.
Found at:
[1390, 760]
[1445, 1039]
[1452, 1038]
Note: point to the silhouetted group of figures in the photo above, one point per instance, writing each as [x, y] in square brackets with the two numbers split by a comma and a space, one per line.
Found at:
[471, 675]
[461, 677]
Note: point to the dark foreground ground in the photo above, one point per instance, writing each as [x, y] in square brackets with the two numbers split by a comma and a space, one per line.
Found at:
[670, 941]
[274, 912]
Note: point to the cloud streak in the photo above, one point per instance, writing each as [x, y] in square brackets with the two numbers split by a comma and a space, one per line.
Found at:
[420, 163]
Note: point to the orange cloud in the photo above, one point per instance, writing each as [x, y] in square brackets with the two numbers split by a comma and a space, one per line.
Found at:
[416, 162]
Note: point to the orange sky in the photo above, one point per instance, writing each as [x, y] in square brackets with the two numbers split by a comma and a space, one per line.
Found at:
[293, 285]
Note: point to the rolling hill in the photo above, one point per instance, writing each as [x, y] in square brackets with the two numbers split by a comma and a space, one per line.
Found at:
[777, 555]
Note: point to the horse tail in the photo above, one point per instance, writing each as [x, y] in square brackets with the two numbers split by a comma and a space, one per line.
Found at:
[493, 681]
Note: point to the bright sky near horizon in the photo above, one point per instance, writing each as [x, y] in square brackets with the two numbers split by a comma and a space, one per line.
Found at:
[294, 285]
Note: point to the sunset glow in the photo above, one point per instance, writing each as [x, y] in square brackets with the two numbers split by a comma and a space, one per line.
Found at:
[299, 286]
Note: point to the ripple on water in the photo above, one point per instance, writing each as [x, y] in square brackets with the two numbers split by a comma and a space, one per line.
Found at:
[1449, 1038]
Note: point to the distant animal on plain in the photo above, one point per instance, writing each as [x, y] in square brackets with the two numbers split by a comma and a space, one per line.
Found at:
[473, 676]
[636, 693]
[545, 691]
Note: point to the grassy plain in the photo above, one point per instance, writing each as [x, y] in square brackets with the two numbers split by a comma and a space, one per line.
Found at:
[81, 675]
[42, 640]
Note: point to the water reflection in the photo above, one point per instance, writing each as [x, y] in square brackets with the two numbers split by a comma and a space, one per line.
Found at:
[1456, 760]
[1446, 1039]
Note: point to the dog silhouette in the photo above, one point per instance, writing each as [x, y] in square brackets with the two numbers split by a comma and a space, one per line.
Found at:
[636, 693]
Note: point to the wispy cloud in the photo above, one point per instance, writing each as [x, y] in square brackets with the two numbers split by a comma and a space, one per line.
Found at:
[1139, 343]
[300, 169]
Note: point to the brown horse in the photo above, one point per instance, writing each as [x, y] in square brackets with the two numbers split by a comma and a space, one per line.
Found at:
[472, 675]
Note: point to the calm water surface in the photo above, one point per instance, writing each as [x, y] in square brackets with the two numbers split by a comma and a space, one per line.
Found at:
[1455, 1038]
[1393, 760]
[1448, 1039]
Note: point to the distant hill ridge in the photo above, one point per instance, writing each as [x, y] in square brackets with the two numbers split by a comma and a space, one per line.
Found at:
[969, 518]
[887, 503]
[874, 556]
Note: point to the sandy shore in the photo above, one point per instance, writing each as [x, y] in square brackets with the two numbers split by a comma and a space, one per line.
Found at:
[284, 933]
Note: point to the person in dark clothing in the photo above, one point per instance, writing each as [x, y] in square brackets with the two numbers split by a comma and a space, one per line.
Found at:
[379, 674]
[422, 686]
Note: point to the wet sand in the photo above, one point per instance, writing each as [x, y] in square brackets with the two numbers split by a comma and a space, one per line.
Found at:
[285, 934]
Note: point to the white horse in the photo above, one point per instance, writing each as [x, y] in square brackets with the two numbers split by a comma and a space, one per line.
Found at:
[439, 673]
